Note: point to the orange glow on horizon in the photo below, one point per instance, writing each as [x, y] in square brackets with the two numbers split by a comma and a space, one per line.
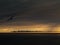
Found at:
[40, 27]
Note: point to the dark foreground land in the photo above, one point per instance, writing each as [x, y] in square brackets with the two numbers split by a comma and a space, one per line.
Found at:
[29, 38]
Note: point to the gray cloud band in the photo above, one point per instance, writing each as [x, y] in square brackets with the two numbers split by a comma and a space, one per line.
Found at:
[30, 10]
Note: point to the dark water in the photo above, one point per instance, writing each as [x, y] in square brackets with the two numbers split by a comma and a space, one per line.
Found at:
[32, 39]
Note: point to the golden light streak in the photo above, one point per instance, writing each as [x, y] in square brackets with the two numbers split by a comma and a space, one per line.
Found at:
[40, 27]
[57, 29]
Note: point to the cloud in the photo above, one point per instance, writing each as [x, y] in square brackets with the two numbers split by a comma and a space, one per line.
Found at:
[30, 10]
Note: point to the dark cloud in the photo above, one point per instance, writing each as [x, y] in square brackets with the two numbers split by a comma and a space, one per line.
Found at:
[30, 10]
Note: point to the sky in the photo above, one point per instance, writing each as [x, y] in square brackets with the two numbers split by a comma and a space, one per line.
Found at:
[28, 12]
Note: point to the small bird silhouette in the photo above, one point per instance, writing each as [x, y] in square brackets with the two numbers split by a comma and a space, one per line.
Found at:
[10, 18]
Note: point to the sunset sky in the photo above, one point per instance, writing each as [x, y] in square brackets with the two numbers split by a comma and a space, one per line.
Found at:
[40, 15]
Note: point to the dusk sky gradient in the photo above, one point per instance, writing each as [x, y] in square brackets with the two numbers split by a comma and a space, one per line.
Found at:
[29, 12]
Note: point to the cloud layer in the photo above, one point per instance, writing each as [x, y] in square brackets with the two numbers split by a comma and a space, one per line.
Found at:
[30, 10]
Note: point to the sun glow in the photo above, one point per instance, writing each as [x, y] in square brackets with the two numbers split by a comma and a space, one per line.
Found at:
[39, 28]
